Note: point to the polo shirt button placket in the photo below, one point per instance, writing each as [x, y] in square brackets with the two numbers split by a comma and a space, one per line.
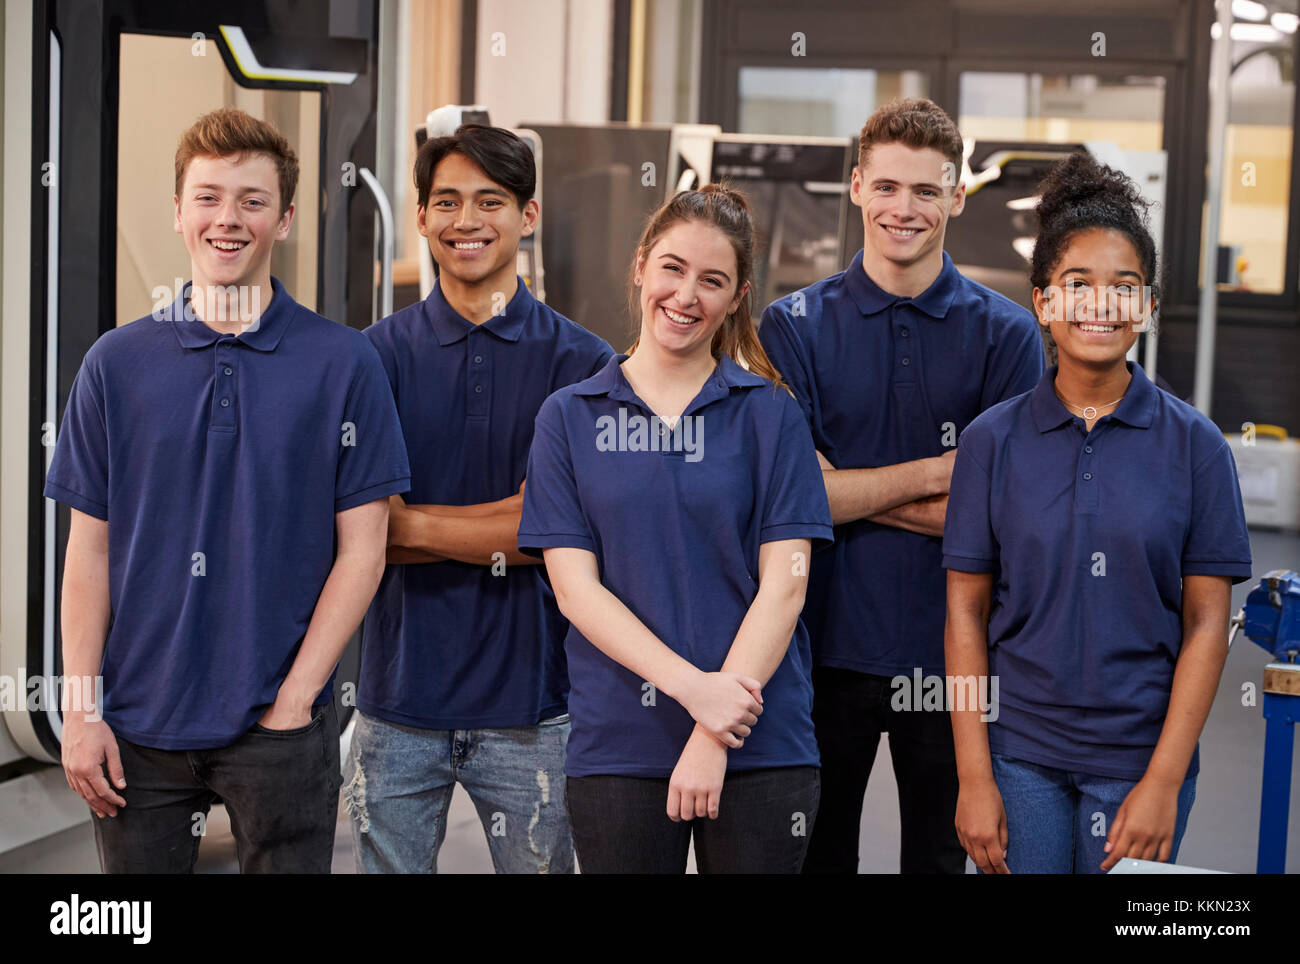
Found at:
[1088, 497]
[476, 404]
[223, 414]
[903, 331]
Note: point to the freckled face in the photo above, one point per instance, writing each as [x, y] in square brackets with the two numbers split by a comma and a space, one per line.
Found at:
[228, 212]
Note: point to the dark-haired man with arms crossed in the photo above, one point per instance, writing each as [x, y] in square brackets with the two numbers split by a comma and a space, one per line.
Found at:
[463, 677]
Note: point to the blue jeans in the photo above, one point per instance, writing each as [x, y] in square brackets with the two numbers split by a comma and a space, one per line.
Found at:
[1057, 820]
[401, 781]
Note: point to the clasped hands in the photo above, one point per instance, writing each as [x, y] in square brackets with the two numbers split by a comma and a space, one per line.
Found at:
[724, 706]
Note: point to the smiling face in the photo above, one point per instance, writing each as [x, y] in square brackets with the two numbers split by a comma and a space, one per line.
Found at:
[228, 212]
[1096, 302]
[687, 283]
[907, 195]
[473, 223]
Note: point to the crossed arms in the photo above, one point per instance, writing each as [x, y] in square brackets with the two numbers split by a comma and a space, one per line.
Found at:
[909, 495]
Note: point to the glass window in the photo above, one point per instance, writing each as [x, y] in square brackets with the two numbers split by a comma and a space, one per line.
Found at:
[150, 256]
[1256, 194]
[1063, 108]
[820, 102]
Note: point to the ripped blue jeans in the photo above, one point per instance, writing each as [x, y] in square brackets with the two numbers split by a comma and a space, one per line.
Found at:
[400, 781]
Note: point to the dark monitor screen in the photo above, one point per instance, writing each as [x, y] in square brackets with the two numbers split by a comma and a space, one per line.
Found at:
[799, 195]
[982, 240]
[597, 194]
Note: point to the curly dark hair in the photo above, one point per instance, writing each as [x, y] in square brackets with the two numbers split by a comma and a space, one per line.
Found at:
[1079, 194]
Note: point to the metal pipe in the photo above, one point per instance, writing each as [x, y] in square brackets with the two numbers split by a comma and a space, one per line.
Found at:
[1207, 316]
[385, 243]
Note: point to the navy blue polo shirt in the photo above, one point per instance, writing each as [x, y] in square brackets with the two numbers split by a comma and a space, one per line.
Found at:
[450, 645]
[219, 462]
[883, 380]
[675, 525]
[1088, 535]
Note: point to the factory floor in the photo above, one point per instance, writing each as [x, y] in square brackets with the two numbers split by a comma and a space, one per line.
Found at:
[1221, 833]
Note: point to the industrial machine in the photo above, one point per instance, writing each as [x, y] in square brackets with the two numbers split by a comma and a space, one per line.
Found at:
[598, 183]
[1271, 619]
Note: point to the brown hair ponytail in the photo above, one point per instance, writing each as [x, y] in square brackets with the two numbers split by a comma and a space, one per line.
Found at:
[726, 209]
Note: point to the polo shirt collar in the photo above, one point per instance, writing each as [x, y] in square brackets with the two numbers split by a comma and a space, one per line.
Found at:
[1137, 409]
[1139, 405]
[726, 375]
[449, 326]
[263, 336]
[871, 298]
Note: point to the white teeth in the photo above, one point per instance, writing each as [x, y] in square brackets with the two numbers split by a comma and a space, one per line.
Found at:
[228, 245]
[467, 245]
[680, 319]
[902, 232]
[1101, 329]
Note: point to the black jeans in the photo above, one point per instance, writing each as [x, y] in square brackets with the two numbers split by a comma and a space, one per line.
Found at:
[280, 787]
[850, 711]
[620, 824]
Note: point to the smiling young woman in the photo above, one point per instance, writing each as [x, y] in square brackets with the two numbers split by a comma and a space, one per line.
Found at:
[1108, 513]
[683, 576]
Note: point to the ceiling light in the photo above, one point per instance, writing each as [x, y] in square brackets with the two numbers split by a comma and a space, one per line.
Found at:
[1255, 33]
[1249, 10]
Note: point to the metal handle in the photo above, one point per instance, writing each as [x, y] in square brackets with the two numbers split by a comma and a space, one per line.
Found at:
[385, 243]
[1235, 624]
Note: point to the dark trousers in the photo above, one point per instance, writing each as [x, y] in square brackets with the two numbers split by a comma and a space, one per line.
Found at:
[620, 824]
[850, 711]
[280, 788]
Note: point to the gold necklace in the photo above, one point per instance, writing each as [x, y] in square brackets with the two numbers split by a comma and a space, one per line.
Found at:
[1085, 409]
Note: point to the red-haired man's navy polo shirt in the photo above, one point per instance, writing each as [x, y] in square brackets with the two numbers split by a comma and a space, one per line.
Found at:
[219, 462]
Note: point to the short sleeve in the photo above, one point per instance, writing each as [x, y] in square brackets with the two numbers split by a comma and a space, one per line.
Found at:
[552, 516]
[781, 344]
[1218, 543]
[968, 542]
[380, 336]
[600, 357]
[796, 506]
[1017, 361]
[373, 463]
[78, 475]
